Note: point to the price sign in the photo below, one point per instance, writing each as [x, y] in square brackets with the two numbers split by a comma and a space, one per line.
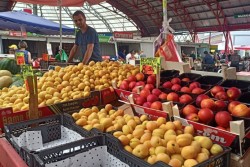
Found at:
[20, 58]
[150, 65]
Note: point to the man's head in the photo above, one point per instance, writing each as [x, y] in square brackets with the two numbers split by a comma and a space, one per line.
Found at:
[205, 52]
[12, 49]
[79, 19]
[22, 44]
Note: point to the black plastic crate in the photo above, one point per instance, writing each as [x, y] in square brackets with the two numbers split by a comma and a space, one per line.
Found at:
[50, 128]
[169, 73]
[245, 98]
[65, 151]
[210, 80]
[244, 86]
[191, 76]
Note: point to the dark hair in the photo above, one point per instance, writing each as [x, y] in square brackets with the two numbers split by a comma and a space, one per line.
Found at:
[79, 12]
[205, 52]
[22, 44]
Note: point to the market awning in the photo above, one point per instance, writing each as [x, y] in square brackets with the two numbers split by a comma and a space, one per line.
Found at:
[242, 48]
[17, 20]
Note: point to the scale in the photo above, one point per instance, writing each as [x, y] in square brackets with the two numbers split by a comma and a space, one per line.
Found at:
[11, 56]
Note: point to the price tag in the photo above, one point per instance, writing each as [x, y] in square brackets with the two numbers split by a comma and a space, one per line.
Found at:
[20, 58]
[150, 65]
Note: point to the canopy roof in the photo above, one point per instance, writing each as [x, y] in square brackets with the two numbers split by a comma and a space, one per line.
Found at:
[146, 15]
[15, 20]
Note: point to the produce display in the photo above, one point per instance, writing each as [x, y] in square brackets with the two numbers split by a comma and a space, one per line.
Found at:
[10, 65]
[63, 84]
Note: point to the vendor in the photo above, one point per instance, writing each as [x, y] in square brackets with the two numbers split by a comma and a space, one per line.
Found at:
[12, 49]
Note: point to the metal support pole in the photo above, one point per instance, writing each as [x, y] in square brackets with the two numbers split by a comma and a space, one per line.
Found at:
[60, 20]
[226, 42]
[165, 15]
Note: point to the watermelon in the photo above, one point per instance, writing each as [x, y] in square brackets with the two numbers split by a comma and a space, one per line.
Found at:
[17, 83]
[10, 65]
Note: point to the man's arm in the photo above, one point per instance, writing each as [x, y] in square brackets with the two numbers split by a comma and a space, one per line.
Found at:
[72, 52]
[88, 53]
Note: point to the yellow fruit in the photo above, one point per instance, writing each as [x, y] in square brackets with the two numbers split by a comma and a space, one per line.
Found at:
[163, 157]
[106, 122]
[202, 157]
[117, 134]
[124, 140]
[216, 149]
[190, 163]
[76, 116]
[175, 163]
[173, 147]
[189, 152]
[81, 122]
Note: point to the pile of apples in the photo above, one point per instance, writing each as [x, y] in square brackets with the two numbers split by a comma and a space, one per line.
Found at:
[175, 85]
[164, 141]
[220, 93]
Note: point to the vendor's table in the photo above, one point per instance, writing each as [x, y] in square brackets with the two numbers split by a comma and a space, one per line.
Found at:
[8, 156]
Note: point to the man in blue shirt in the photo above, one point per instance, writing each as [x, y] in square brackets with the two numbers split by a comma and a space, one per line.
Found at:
[208, 59]
[86, 39]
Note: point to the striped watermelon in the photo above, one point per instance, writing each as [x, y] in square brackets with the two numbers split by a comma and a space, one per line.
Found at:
[10, 65]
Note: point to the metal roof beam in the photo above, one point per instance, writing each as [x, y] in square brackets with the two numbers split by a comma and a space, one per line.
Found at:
[234, 27]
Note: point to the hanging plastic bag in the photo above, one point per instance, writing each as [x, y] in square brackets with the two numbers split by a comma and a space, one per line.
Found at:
[168, 50]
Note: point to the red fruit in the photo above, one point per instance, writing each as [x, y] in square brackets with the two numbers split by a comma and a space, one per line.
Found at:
[156, 105]
[147, 104]
[173, 97]
[150, 87]
[233, 93]
[200, 98]
[176, 87]
[163, 96]
[188, 109]
[144, 93]
[131, 78]
[198, 91]
[124, 86]
[206, 115]
[231, 105]
[222, 118]
[220, 105]
[140, 100]
[194, 85]
[192, 117]
[185, 80]
[167, 85]
[208, 103]
[221, 95]
[152, 98]
[135, 90]
[185, 98]
[216, 89]
[176, 81]
[140, 83]
[131, 85]
[156, 92]
[139, 76]
[241, 110]
[151, 80]
[186, 89]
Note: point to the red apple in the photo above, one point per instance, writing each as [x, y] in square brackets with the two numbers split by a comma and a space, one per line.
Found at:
[151, 79]
[150, 87]
[156, 91]
[200, 98]
[194, 85]
[222, 118]
[192, 117]
[139, 76]
[176, 87]
[198, 91]
[131, 78]
[221, 95]
[233, 93]
[241, 110]
[188, 109]
[135, 90]
[216, 89]
[156, 105]
[208, 103]
[147, 104]
[231, 105]
[167, 85]
[220, 105]
[139, 100]
[124, 85]
[176, 81]
[140, 83]
[186, 89]
[144, 93]
[163, 96]
[172, 96]
[206, 115]
[152, 98]
[185, 79]
[185, 98]
[131, 85]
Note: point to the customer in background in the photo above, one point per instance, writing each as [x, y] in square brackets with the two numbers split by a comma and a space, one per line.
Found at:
[130, 56]
[22, 49]
[208, 62]
[235, 60]
[86, 39]
[12, 49]
[193, 55]
[122, 55]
